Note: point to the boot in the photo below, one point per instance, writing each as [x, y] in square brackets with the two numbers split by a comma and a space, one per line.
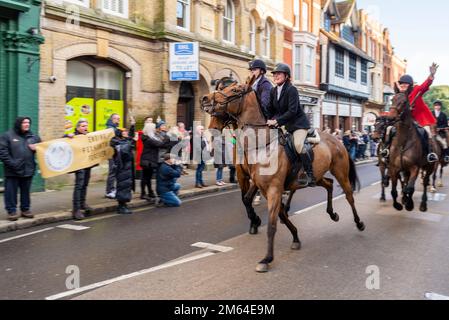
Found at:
[13, 216]
[87, 210]
[123, 209]
[307, 163]
[27, 214]
[78, 215]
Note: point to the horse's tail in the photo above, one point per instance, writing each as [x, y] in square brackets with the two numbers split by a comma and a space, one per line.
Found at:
[353, 177]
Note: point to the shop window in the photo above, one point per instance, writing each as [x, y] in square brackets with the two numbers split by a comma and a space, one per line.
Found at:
[95, 90]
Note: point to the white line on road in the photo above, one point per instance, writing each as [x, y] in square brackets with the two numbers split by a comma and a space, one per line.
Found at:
[128, 276]
[435, 296]
[25, 235]
[212, 247]
[316, 206]
[72, 227]
[376, 183]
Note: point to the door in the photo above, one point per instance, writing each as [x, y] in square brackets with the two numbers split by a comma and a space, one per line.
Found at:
[186, 104]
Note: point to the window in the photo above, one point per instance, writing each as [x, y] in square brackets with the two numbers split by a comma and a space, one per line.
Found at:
[267, 40]
[364, 76]
[309, 63]
[183, 14]
[352, 67]
[305, 16]
[297, 62]
[115, 7]
[84, 3]
[252, 35]
[228, 22]
[327, 22]
[296, 13]
[339, 63]
[348, 34]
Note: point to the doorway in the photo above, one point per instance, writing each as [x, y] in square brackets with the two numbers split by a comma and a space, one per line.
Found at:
[186, 104]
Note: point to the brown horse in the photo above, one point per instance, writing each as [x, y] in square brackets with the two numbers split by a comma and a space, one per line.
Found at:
[239, 104]
[407, 156]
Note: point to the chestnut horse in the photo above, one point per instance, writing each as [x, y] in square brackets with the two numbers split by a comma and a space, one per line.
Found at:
[239, 104]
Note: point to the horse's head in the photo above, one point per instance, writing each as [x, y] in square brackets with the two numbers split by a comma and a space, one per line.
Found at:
[400, 106]
[380, 128]
[226, 101]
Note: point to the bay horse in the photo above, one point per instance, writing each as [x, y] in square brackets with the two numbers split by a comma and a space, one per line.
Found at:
[442, 161]
[379, 135]
[239, 103]
[407, 156]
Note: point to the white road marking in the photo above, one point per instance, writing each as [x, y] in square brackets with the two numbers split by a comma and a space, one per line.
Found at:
[212, 247]
[25, 235]
[317, 205]
[376, 183]
[435, 296]
[97, 218]
[72, 227]
[128, 276]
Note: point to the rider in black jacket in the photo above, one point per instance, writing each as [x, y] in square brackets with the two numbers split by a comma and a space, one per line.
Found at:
[442, 126]
[285, 110]
[17, 151]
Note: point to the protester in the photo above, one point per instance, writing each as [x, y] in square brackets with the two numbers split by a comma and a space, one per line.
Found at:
[123, 145]
[112, 123]
[17, 151]
[203, 145]
[167, 187]
[82, 178]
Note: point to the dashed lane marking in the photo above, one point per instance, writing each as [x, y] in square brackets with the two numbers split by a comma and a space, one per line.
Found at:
[128, 276]
[26, 234]
[212, 247]
[72, 227]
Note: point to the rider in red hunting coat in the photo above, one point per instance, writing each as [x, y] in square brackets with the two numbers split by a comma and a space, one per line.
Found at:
[421, 112]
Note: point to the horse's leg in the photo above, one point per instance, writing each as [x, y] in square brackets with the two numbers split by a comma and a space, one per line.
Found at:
[433, 189]
[283, 215]
[394, 191]
[410, 189]
[343, 179]
[289, 201]
[382, 173]
[423, 206]
[328, 184]
[440, 182]
[274, 198]
[247, 199]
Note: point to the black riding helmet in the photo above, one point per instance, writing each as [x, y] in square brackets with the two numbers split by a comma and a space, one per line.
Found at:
[406, 79]
[438, 102]
[258, 64]
[282, 67]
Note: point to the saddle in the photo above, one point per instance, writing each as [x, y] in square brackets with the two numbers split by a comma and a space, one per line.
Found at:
[312, 139]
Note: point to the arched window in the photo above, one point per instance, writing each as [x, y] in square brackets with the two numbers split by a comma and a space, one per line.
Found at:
[229, 22]
[252, 35]
[266, 40]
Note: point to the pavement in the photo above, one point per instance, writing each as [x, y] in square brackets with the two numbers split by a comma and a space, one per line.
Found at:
[400, 256]
[55, 206]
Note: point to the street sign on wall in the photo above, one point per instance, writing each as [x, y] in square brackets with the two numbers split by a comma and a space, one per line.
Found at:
[184, 61]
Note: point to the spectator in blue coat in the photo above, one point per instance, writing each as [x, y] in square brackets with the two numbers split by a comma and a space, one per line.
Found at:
[167, 187]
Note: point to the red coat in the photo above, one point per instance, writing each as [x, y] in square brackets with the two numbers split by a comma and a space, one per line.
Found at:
[421, 113]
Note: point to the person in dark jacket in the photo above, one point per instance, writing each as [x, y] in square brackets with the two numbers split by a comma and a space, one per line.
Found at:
[262, 86]
[82, 178]
[149, 161]
[124, 162]
[17, 151]
[112, 123]
[442, 126]
[201, 148]
[285, 110]
[167, 187]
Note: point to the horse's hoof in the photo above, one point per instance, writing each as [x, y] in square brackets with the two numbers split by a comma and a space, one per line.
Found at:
[423, 208]
[398, 206]
[335, 217]
[262, 268]
[296, 246]
[361, 226]
[433, 190]
[440, 184]
[409, 206]
[253, 230]
[382, 199]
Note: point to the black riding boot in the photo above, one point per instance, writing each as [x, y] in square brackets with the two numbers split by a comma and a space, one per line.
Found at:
[307, 163]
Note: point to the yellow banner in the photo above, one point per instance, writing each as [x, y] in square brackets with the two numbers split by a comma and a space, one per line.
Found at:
[60, 156]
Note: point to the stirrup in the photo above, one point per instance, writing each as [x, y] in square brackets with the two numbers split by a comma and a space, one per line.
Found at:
[430, 156]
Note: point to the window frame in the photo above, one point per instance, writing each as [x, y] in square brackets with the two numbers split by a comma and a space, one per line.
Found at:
[252, 35]
[297, 63]
[308, 63]
[186, 19]
[229, 20]
[305, 17]
[352, 67]
[125, 13]
[340, 64]
[266, 40]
